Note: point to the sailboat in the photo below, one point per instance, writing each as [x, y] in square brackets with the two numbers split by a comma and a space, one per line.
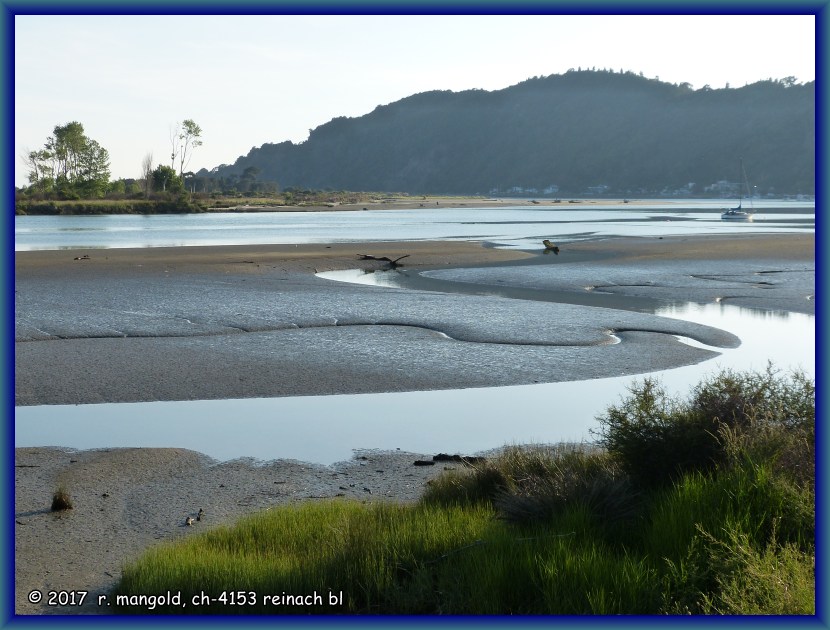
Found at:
[738, 213]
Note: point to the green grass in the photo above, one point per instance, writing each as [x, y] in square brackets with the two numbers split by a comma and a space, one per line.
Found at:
[401, 559]
[547, 530]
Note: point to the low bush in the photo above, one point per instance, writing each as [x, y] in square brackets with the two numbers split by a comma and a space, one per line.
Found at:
[657, 438]
[729, 575]
[61, 500]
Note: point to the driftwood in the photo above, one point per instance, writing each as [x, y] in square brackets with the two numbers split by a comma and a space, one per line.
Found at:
[469, 459]
[550, 247]
[392, 263]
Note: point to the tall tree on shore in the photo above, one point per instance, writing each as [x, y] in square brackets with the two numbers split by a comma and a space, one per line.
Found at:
[74, 164]
[184, 138]
[93, 170]
[147, 173]
[41, 169]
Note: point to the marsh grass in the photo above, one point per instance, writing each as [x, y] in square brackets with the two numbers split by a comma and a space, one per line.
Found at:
[566, 530]
[400, 559]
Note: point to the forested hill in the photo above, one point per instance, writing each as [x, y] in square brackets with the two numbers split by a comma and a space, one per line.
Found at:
[600, 131]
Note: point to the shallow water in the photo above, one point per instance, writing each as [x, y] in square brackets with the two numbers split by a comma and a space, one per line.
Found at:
[326, 429]
[519, 226]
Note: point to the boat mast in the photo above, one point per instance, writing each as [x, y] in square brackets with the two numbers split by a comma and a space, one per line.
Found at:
[745, 182]
[741, 184]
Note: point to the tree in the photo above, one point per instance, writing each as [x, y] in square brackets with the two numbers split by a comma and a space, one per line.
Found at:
[184, 139]
[147, 173]
[70, 162]
[248, 179]
[93, 170]
[166, 180]
[66, 145]
[41, 170]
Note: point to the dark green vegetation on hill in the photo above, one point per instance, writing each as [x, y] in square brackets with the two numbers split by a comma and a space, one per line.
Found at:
[612, 133]
[704, 505]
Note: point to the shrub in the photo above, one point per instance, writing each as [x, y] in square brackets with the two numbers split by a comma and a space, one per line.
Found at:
[535, 484]
[746, 400]
[61, 500]
[728, 575]
[657, 439]
[592, 479]
[514, 470]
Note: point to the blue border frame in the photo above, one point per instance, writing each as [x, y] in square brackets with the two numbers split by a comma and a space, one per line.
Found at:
[10, 8]
[822, 383]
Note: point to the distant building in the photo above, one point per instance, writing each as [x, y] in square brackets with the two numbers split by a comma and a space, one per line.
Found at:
[597, 190]
[723, 188]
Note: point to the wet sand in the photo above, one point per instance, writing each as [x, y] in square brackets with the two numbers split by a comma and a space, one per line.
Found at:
[243, 322]
[128, 499]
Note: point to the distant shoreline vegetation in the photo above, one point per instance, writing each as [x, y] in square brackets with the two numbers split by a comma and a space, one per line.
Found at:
[296, 200]
[196, 203]
[93, 206]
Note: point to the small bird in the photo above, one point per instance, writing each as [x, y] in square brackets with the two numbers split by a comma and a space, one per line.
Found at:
[188, 521]
[200, 514]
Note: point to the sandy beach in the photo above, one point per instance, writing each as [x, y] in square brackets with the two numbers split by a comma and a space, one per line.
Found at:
[207, 323]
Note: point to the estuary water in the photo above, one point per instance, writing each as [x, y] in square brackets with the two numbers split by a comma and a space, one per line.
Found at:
[519, 226]
[327, 429]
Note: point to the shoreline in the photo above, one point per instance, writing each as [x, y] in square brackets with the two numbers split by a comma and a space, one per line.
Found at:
[416, 202]
[334, 256]
[302, 258]
[390, 202]
[127, 499]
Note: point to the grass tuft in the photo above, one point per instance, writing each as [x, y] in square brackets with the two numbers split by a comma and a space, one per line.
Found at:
[61, 500]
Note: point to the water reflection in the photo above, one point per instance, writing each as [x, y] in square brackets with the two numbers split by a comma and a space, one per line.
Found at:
[519, 226]
[395, 278]
[326, 429]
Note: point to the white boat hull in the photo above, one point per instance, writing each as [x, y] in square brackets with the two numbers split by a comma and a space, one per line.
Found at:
[736, 215]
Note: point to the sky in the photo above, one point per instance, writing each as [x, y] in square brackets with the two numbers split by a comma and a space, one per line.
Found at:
[251, 80]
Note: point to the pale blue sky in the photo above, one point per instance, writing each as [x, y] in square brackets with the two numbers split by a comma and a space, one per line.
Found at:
[248, 80]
